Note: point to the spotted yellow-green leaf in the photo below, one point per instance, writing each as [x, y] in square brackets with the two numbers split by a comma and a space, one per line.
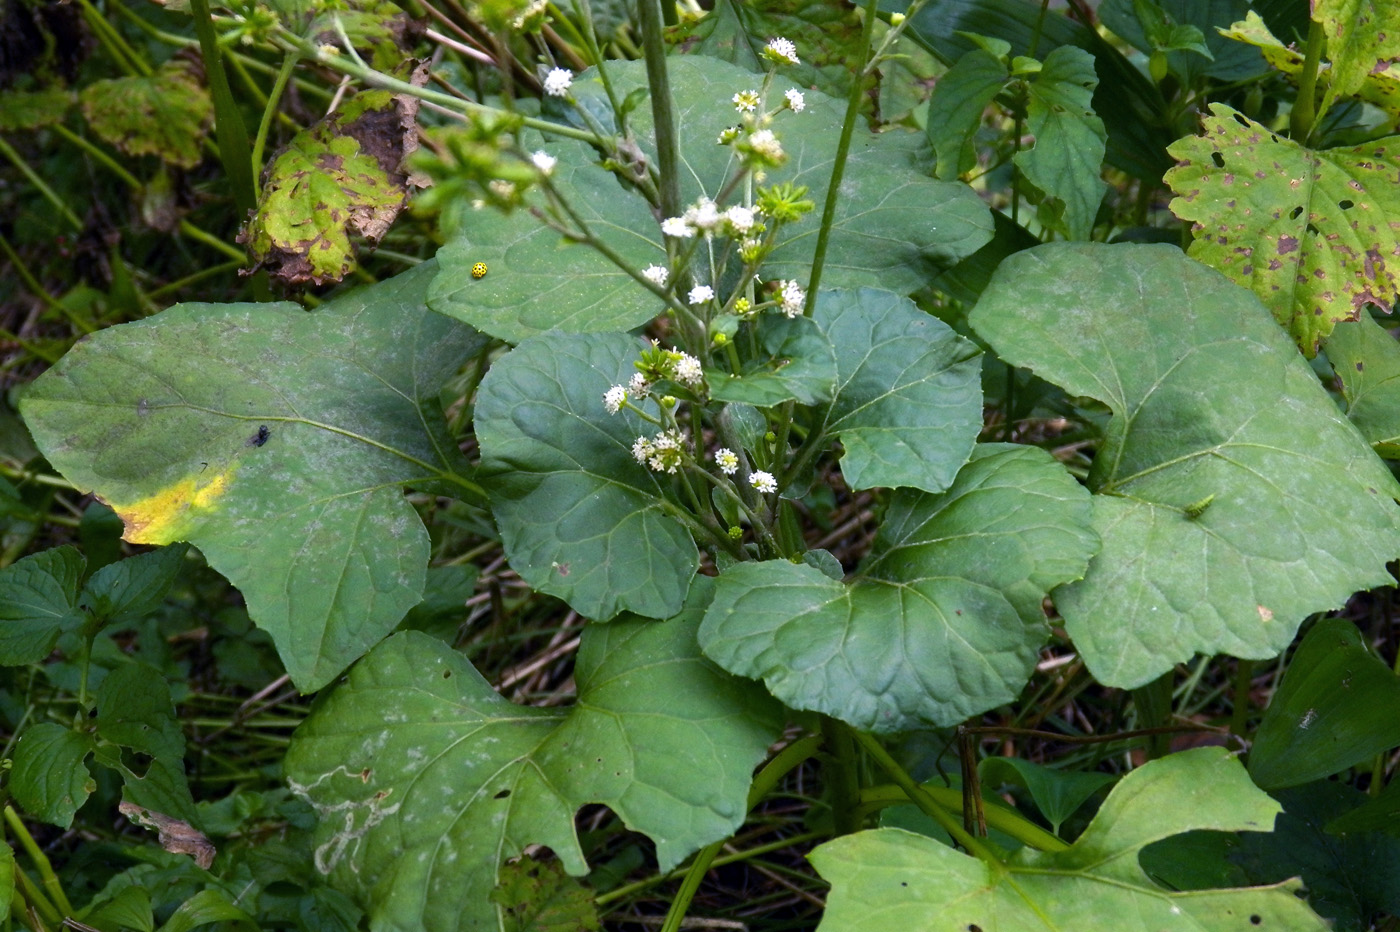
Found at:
[165, 114]
[279, 443]
[1361, 34]
[1314, 233]
[891, 879]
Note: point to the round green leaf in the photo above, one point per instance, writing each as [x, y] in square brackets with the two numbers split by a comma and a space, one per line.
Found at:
[1233, 498]
[891, 879]
[944, 621]
[908, 403]
[425, 779]
[580, 518]
[276, 441]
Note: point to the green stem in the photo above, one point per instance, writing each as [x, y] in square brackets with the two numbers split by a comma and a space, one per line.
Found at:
[1007, 821]
[925, 801]
[284, 74]
[838, 168]
[588, 38]
[1239, 713]
[209, 239]
[49, 195]
[41, 862]
[1305, 116]
[124, 55]
[228, 121]
[842, 777]
[96, 152]
[663, 116]
[1036, 31]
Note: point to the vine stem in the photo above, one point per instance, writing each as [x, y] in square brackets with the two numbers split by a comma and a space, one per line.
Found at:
[1003, 820]
[662, 113]
[926, 803]
[838, 169]
[1305, 117]
[763, 784]
[41, 861]
[274, 97]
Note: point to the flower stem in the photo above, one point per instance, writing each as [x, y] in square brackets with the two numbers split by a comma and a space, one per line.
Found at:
[1305, 117]
[659, 82]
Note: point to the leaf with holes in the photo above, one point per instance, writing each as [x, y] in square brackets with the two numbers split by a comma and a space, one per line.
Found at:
[278, 442]
[1361, 34]
[426, 780]
[892, 879]
[1315, 233]
[1233, 498]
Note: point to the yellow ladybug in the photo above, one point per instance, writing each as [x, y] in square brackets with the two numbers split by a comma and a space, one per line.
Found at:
[479, 270]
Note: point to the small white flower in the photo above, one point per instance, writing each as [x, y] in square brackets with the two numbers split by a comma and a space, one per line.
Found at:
[613, 398]
[795, 101]
[703, 216]
[781, 51]
[764, 143]
[700, 294]
[763, 481]
[727, 462]
[502, 189]
[728, 135]
[746, 101]
[656, 274]
[665, 452]
[544, 162]
[792, 297]
[327, 51]
[536, 8]
[639, 385]
[688, 370]
[556, 83]
[740, 220]
[678, 227]
[641, 450]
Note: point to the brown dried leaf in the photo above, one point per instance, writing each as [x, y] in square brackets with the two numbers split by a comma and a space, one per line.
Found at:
[175, 835]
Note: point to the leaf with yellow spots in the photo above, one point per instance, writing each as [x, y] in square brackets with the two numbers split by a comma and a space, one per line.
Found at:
[1314, 233]
[278, 442]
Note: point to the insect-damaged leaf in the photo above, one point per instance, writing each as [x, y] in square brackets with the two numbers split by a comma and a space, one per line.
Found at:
[276, 441]
[341, 177]
[1314, 233]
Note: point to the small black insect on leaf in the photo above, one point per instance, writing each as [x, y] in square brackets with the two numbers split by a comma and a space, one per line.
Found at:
[260, 437]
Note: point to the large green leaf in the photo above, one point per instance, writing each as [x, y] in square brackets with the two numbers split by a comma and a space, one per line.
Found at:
[908, 403]
[1314, 233]
[1067, 157]
[276, 441]
[1335, 708]
[893, 221]
[1233, 497]
[426, 779]
[580, 518]
[165, 114]
[50, 779]
[891, 879]
[38, 602]
[944, 620]
[1367, 360]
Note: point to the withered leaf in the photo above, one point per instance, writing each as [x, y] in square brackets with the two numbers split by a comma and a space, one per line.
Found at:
[175, 835]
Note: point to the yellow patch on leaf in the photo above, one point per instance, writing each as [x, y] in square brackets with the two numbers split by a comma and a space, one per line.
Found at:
[167, 516]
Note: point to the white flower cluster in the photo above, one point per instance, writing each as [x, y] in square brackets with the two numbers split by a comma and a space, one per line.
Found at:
[613, 398]
[791, 297]
[727, 461]
[781, 51]
[662, 453]
[763, 481]
[705, 217]
[544, 162]
[556, 83]
[657, 275]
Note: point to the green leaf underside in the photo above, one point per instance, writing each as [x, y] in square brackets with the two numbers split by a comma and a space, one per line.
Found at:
[893, 221]
[1360, 34]
[38, 601]
[798, 363]
[908, 403]
[1209, 399]
[579, 517]
[1067, 157]
[426, 780]
[1367, 359]
[164, 419]
[1335, 708]
[50, 780]
[164, 114]
[1315, 233]
[891, 879]
[944, 620]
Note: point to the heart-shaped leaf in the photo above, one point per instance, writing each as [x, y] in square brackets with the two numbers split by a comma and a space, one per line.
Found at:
[426, 779]
[944, 621]
[892, 879]
[908, 403]
[1315, 233]
[276, 441]
[580, 518]
[1233, 498]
